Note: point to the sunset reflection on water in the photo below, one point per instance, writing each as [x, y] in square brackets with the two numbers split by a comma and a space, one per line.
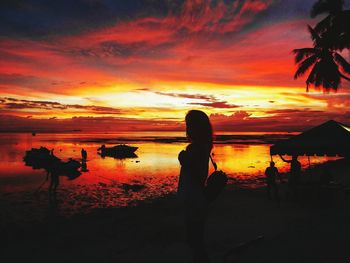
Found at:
[109, 181]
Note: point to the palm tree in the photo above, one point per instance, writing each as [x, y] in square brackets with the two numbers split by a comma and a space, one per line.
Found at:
[326, 66]
[334, 28]
[332, 7]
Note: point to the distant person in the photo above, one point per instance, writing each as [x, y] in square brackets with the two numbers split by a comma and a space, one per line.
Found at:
[83, 154]
[271, 174]
[84, 166]
[294, 175]
[193, 174]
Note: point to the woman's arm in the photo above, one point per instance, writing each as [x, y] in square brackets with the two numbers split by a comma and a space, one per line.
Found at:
[284, 160]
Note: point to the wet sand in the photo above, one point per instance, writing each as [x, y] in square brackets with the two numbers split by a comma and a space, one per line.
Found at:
[308, 231]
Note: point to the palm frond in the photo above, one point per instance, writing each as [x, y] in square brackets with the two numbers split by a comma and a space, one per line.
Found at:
[323, 25]
[314, 36]
[312, 76]
[344, 65]
[334, 30]
[342, 41]
[302, 53]
[328, 75]
[304, 66]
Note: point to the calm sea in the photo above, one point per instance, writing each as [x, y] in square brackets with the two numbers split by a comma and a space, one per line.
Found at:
[111, 182]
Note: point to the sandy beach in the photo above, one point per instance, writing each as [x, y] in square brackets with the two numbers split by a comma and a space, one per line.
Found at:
[308, 230]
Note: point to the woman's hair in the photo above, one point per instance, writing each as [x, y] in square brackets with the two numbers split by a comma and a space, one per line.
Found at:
[198, 128]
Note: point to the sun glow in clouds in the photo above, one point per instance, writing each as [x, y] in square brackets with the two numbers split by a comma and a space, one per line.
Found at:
[230, 58]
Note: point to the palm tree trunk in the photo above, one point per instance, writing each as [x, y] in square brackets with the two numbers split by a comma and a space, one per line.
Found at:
[344, 77]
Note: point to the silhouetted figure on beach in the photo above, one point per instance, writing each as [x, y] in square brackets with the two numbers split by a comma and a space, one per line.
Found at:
[52, 173]
[271, 174]
[83, 160]
[294, 175]
[194, 171]
[84, 166]
[83, 155]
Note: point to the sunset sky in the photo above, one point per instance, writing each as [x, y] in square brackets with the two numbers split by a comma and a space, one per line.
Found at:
[104, 65]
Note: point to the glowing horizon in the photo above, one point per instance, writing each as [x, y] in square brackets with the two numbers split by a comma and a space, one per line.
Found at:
[146, 66]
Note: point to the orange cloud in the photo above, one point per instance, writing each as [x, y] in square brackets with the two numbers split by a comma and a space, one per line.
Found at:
[213, 57]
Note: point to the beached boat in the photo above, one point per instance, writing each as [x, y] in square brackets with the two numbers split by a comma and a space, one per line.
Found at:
[39, 158]
[69, 165]
[118, 151]
[69, 169]
[43, 158]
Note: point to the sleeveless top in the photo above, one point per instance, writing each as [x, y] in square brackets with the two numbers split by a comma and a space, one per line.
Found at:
[194, 172]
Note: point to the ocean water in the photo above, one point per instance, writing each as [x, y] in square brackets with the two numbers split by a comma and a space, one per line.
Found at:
[112, 182]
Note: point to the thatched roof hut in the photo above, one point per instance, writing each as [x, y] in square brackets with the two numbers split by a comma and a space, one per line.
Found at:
[330, 138]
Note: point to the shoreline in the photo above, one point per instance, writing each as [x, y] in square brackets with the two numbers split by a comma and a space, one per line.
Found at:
[43, 202]
[309, 175]
[219, 138]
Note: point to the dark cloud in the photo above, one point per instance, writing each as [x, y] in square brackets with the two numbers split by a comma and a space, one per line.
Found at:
[41, 18]
[290, 112]
[15, 104]
[282, 120]
[284, 9]
[285, 120]
[184, 95]
[19, 79]
[15, 123]
[110, 49]
[216, 104]
[205, 100]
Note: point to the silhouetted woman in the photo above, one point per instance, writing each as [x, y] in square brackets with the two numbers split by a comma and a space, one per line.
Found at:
[194, 171]
[294, 175]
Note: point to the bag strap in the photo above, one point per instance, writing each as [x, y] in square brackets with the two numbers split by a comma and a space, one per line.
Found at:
[214, 163]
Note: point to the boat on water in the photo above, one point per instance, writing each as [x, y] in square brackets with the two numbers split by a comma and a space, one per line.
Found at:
[118, 151]
[69, 168]
[39, 158]
[43, 158]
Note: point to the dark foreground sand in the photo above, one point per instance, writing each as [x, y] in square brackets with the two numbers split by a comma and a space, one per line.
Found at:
[311, 230]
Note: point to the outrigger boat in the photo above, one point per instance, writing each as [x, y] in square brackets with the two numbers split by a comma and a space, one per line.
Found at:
[118, 151]
[40, 158]
[43, 158]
